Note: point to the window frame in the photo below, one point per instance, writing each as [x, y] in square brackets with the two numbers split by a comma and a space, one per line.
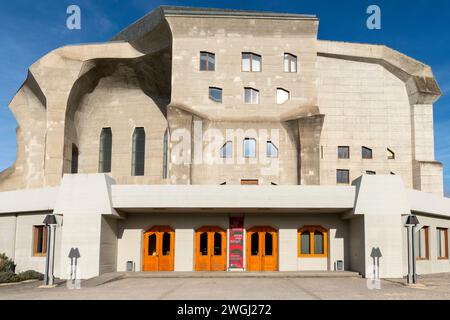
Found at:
[348, 152]
[252, 91]
[251, 54]
[217, 89]
[36, 229]
[311, 229]
[288, 96]
[243, 151]
[368, 149]
[427, 244]
[337, 176]
[289, 57]
[445, 230]
[207, 54]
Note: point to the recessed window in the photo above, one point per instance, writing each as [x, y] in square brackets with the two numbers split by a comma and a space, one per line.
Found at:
[272, 150]
[105, 152]
[390, 154]
[249, 148]
[215, 94]
[39, 241]
[343, 176]
[165, 173]
[75, 156]
[251, 96]
[251, 62]
[282, 96]
[249, 182]
[290, 63]
[343, 152]
[442, 243]
[422, 245]
[138, 153]
[371, 173]
[207, 61]
[366, 153]
[227, 150]
[313, 242]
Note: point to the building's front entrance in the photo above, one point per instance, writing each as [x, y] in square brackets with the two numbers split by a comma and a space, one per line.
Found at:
[210, 249]
[158, 249]
[262, 249]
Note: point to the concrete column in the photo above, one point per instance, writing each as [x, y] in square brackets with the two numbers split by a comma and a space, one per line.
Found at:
[184, 250]
[287, 249]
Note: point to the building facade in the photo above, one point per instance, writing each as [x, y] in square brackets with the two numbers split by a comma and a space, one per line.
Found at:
[216, 140]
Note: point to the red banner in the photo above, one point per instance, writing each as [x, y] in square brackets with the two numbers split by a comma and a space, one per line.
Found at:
[236, 256]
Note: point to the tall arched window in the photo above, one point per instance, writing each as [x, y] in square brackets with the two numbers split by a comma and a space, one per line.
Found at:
[105, 153]
[313, 242]
[138, 156]
[74, 164]
[165, 174]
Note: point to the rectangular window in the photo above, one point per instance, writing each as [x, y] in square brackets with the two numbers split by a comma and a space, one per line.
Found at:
[227, 150]
[249, 182]
[442, 243]
[251, 62]
[343, 176]
[215, 94]
[39, 241]
[290, 63]
[207, 61]
[105, 153]
[272, 150]
[282, 95]
[251, 96]
[421, 243]
[366, 153]
[75, 156]
[343, 152]
[249, 148]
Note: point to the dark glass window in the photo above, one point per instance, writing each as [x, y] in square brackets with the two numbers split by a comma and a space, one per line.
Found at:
[138, 158]
[371, 173]
[305, 243]
[318, 242]
[166, 244]
[343, 176]
[255, 244]
[207, 61]
[204, 244]
[217, 244]
[215, 94]
[40, 240]
[367, 153]
[344, 152]
[152, 245]
[165, 174]
[268, 244]
[105, 151]
[75, 154]
[390, 154]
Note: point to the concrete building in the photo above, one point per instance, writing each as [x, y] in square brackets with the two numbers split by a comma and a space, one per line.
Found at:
[211, 139]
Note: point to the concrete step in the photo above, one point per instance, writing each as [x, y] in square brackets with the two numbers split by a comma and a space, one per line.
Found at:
[110, 277]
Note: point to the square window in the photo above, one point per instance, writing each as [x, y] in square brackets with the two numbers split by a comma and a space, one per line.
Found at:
[343, 152]
[251, 62]
[272, 150]
[367, 153]
[282, 96]
[215, 94]
[251, 96]
[343, 176]
[207, 61]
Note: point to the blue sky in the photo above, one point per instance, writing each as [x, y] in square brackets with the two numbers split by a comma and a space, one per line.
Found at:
[30, 29]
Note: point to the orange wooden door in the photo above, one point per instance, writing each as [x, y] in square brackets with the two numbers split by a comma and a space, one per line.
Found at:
[262, 249]
[158, 249]
[210, 252]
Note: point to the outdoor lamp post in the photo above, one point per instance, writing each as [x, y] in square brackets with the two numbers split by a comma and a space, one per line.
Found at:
[50, 223]
[411, 223]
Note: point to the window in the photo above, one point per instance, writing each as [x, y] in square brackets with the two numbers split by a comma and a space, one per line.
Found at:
[215, 94]
[313, 242]
[251, 62]
[343, 176]
[40, 241]
[272, 150]
[138, 157]
[390, 154]
[371, 173]
[104, 165]
[165, 174]
[421, 241]
[207, 61]
[366, 153]
[152, 245]
[282, 96]
[166, 244]
[290, 63]
[74, 164]
[249, 182]
[249, 148]
[343, 152]
[227, 150]
[217, 244]
[442, 243]
[251, 96]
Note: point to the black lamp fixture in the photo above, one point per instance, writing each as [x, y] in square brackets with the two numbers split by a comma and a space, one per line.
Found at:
[412, 221]
[50, 220]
